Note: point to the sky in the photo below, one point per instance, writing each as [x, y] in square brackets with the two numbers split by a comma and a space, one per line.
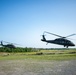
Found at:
[24, 21]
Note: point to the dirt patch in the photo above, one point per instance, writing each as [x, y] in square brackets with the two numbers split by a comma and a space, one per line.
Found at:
[34, 67]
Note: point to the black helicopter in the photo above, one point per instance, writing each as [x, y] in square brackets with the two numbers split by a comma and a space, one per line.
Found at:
[7, 45]
[60, 41]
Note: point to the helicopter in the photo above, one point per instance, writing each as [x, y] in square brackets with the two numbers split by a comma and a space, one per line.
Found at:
[60, 41]
[7, 45]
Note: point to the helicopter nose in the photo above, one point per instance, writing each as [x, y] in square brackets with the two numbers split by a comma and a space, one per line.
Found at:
[73, 44]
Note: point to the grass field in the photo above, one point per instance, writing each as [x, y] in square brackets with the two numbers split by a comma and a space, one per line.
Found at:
[41, 55]
[43, 62]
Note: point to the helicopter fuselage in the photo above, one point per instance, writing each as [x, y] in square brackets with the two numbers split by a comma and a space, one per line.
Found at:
[8, 45]
[60, 41]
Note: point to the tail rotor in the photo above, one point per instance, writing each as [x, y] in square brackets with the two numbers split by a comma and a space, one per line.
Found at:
[43, 38]
[1, 43]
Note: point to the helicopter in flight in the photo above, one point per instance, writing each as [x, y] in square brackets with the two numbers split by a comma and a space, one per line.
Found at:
[10, 45]
[60, 41]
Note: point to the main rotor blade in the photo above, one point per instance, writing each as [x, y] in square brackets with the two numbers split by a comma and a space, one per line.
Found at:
[53, 34]
[4, 41]
[70, 35]
[11, 43]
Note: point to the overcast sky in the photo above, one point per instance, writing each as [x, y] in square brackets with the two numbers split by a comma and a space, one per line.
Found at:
[24, 21]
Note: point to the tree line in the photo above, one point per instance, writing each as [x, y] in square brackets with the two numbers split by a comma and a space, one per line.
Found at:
[18, 49]
[26, 49]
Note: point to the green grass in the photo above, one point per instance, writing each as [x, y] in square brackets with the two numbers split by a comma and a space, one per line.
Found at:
[47, 55]
[39, 57]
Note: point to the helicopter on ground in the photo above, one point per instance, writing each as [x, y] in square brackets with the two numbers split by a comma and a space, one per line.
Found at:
[60, 41]
[10, 45]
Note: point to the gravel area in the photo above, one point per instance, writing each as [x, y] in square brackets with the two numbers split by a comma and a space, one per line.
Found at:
[34, 67]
